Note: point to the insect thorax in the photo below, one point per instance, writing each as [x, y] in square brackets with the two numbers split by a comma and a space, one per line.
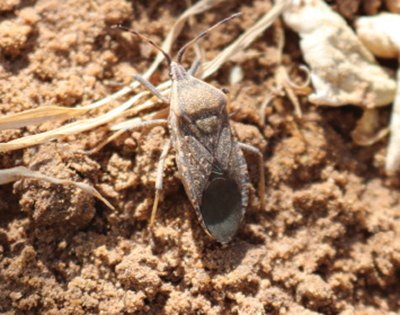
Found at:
[199, 102]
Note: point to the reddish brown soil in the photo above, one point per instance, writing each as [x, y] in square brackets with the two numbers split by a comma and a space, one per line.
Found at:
[328, 241]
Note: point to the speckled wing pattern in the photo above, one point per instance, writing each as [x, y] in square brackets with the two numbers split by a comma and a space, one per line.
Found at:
[214, 174]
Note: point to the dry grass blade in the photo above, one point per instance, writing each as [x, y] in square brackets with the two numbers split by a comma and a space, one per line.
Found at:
[126, 124]
[246, 38]
[13, 174]
[198, 8]
[70, 129]
[52, 113]
[40, 115]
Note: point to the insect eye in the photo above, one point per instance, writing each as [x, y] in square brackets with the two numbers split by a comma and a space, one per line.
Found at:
[225, 91]
[170, 74]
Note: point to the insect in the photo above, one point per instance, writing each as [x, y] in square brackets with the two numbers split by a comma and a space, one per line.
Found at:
[210, 161]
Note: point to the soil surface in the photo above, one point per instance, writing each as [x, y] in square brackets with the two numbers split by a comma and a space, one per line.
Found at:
[327, 242]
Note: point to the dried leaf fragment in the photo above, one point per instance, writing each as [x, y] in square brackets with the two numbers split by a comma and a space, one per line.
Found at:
[368, 130]
[343, 71]
[380, 33]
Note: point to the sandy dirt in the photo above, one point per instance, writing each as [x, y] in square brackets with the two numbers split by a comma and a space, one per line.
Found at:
[327, 242]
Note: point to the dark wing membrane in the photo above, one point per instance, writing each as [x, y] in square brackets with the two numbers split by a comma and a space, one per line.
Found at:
[221, 207]
[232, 160]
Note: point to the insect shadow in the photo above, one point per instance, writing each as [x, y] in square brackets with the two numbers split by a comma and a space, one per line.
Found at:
[210, 160]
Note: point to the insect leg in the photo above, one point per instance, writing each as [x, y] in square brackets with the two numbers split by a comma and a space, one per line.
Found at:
[261, 184]
[195, 65]
[151, 88]
[232, 114]
[228, 100]
[143, 124]
[159, 182]
[227, 92]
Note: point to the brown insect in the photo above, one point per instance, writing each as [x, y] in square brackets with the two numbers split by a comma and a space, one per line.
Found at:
[210, 162]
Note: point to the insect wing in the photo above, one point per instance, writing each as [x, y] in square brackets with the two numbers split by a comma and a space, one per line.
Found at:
[194, 161]
[214, 174]
[225, 196]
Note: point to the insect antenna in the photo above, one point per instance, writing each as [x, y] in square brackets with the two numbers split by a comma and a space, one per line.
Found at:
[183, 49]
[166, 55]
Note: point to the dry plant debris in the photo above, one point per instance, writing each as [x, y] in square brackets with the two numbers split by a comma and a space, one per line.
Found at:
[13, 174]
[343, 71]
[55, 112]
[369, 130]
[380, 34]
[283, 81]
